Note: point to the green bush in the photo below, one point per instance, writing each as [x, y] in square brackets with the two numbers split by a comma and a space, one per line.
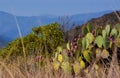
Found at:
[42, 40]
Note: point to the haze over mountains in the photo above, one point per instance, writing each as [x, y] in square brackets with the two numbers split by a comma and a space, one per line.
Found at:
[8, 26]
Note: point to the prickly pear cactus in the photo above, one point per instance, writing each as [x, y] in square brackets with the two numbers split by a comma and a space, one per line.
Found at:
[105, 54]
[117, 42]
[56, 65]
[85, 43]
[90, 37]
[76, 68]
[106, 43]
[66, 67]
[89, 27]
[107, 29]
[87, 55]
[59, 49]
[98, 52]
[82, 64]
[68, 46]
[114, 32]
[104, 33]
[84, 31]
[99, 41]
[60, 58]
[78, 54]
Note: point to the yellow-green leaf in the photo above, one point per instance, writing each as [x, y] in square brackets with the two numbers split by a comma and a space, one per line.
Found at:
[107, 28]
[117, 42]
[56, 65]
[90, 37]
[82, 64]
[59, 49]
[76, 68]
[105, 54]
[114, 32]
[99, 41]
[60, 57]
[98, 52]
[104, 33]
[96, 67]
[66, 67]
[68, 46]
[87, 55]
[110, 45]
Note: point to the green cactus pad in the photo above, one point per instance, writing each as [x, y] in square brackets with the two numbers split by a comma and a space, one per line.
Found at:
[90, 37]
[76, 68]
[106, 43]
[117, 42]
[68, 46]
[114, 32]
[99, 41]
[104, 33]
[87, 55]
[66, 67]
[107, 28]
[105, 54]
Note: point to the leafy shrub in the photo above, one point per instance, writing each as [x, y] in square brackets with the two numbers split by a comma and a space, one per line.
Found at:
[42, 40]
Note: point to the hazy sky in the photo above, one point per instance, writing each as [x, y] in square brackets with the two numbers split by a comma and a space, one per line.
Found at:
[56, 7]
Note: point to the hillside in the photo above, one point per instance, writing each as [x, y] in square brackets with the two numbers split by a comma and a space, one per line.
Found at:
[109, 18]
[96, 54]
[89, 55]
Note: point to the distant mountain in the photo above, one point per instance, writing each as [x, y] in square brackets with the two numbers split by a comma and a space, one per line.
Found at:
[84, 18]
[8, 26]
[109, 18]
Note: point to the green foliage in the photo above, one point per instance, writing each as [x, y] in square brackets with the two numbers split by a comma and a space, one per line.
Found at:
[114, 32]
[90, 37]
[59, 49]
[104, 33]
[107, 29]
[105, 53]
[51, 34]
[87, 50]
[82, 64]
[98, 52]
[89, 27]
[117, 42]
[56, 65]
[106, 43]
[76, 68]
[66, 67]
[87, 55]
[68, 46]
[84, 30]
[85, 43]
[98, 31]
[43, 40]
[99, 41]
[118, 26]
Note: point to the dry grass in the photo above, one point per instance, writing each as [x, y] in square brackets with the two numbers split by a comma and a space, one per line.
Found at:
[20, 69]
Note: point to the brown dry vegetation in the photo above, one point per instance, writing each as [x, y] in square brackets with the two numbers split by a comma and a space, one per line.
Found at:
[22, 69]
